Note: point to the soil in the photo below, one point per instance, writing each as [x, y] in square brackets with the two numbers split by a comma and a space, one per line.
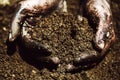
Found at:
[64, 41]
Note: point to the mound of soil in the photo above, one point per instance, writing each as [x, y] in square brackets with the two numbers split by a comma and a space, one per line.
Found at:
[63, 35]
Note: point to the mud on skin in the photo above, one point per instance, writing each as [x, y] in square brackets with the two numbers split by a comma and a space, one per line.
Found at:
[98, 11]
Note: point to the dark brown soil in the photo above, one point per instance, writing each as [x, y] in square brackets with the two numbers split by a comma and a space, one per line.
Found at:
[63, 35]
[70, 37]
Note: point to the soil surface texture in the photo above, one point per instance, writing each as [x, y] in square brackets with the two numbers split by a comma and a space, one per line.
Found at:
[65, 37]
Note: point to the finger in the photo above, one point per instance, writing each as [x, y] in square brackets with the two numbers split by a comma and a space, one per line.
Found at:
[84, 61]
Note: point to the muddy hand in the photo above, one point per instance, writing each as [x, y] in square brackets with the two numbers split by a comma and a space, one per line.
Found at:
[99, 13]
[31, 8]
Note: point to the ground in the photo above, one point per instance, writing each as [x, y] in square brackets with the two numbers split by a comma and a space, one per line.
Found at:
[17, 67]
